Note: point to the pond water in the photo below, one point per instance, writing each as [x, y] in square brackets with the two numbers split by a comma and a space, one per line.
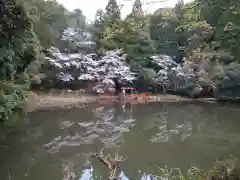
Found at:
[54, 141]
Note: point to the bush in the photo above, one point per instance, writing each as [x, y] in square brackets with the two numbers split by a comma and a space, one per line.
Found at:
[11, 100]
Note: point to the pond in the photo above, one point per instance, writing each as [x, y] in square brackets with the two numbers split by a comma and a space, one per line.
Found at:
[54, 141]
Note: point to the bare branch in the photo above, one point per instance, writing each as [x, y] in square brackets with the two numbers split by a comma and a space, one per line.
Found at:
[196, 5]
[230, 5]
[112, 163]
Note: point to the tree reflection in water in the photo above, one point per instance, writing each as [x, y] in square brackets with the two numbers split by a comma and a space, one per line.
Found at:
[107, 114]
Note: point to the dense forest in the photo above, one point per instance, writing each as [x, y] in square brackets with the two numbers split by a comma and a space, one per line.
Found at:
[201, 36]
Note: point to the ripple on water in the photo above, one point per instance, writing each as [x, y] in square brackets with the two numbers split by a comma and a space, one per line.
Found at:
[66, 124]
[112, 142]
[85, 124]
[183, 131]
[70, 141]
[104, 129]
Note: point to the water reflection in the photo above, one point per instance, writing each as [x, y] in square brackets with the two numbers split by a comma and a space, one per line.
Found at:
[183, 131]
[87, 174]
[150, 135]
[107, 126]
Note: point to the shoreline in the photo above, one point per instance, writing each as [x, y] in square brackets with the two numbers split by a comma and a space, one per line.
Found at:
[42, 101]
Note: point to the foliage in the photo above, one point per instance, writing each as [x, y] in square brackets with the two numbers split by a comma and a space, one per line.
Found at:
[148, 76]
[18, 49]
[112, 12]
[132, 36]
[137, 8]
[28, 27]
[219, 44]
[164, 24]
[97, 29]
[11, 100]
[104, 21]
[77, 20]
[50, 19]
[227, 82]
[19, 45]
[206, 33]
[220, 170]
[224, 16]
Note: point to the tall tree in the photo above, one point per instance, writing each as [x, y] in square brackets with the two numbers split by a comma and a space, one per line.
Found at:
[78, 20]
[18, 49]
[162, 29]
[137, 8]
[113, 13]
[98, 27]
[50, 19]
[224, 16]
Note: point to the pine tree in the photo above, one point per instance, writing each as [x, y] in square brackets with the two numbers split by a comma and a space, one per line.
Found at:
[113, 13]
[99, 17]
[98, 27]
[137, 8]
[77, 20]
[179, 10]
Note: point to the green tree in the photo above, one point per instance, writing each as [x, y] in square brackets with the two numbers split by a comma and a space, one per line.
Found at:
[165, 31]
[137, 8]
[50, 19]
[97, 29]
[132, 35]
[113, 13]
[162, 31]
[19, 47]
[77, 20]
